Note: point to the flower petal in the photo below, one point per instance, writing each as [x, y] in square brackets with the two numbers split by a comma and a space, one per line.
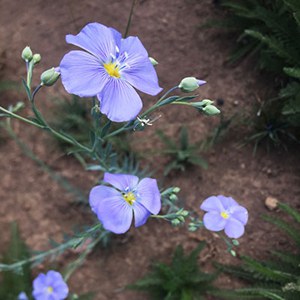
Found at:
[240, 213]
[82, 74]
[97, 39]
[212, 203]
[141, 214]
[213, 221]
[227, 202]
[140, 73]
[149, 195]
[111, 209]
[121, 181]
[119, 101]
[234, 228]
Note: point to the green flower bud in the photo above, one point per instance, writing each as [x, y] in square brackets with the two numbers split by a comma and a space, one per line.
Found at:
[153, 61]
[181, 219]
[173, 197]
[233, 253]
[27, 54]
[190, 84]
[235, 242]
[211, 110]
[49, 77]
[175, 222]
[176, 190]
[185, 213]
[206, 102]
[36, 58]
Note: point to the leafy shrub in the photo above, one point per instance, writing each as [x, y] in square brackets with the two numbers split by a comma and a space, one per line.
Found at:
[270, 29]
[181, 280]
[278, 279]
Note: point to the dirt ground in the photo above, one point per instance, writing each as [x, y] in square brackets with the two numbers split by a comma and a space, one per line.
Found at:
[172, 33]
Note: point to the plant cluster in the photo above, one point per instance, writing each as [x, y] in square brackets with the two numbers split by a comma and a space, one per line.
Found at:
[277, 279]
[270, 30]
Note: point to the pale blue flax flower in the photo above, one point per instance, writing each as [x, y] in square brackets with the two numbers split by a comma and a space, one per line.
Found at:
[22, 296]
[50, 286]
[126, 198]
[224, 213]
[109, 67]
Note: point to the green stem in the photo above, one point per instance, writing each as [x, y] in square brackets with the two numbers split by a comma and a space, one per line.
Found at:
[129, 18]
[21, 118]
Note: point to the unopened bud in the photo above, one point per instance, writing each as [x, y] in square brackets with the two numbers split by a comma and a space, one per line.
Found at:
[27, 54]
[173, 197]
[190, 84]
[49, 77]
[211, 110]
[36, 58]
[235, 242]
[175, 222]
[153, 61]
[176, 190]
[185, 213]
[233, 253]
[206, 102]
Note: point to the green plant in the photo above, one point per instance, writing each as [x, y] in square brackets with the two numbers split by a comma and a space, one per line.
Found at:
[14, 283]
[181, 152]
[278, 279]
[181, 280]
[270, 30]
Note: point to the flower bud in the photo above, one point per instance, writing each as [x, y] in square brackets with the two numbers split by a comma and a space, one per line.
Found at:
[211, 110]
[190, 84]
[175, 222]
[36, 58]
[27, 54]
[176, 189]
[206, 102]
[173, 197]
[153, 61]
[49, 77]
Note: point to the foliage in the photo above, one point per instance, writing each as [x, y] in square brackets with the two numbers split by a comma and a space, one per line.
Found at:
[270, 30]
[14, 283]
[277, 279]
[181, 280]
[181, 152]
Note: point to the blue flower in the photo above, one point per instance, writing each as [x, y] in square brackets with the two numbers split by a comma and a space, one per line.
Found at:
[224, 213]
[128, 197]
[50, 286]
[110, 67]
[22, 296]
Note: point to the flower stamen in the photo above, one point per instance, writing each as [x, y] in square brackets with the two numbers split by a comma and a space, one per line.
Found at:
[129, 198]
[50, 289]
[112, 69]
[224, 214]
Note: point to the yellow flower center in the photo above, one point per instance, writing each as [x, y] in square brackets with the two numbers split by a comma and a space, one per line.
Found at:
[224, 215]
[112, 69]
[129, 197]
[49, 289]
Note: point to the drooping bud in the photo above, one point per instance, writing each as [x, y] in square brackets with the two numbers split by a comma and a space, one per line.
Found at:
[153, 61]
[211, 110]
[190, 84]
[27, 54]
[176, 189]
[49, 77]
[36, 58]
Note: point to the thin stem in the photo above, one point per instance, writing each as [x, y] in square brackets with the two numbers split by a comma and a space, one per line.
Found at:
[129, 18]
[35, 91]
[21, 118]
[167, 93]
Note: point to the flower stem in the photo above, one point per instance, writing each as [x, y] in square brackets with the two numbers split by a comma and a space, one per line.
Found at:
[129, 18]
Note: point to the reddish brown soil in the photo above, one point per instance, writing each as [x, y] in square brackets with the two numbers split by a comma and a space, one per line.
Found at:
[172, 33]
